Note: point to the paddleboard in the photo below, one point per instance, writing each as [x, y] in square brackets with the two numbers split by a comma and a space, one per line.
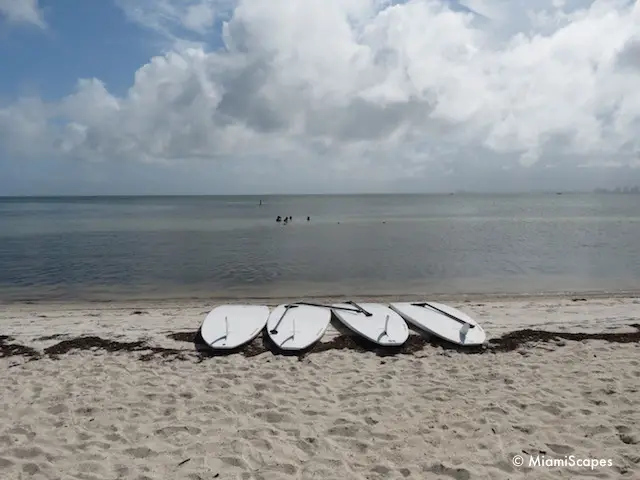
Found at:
[465, 331]
[384, 326]
[230, 326]
[296, 327]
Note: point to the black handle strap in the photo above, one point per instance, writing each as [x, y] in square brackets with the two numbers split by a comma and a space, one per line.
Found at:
[446, 314]
[274, 330]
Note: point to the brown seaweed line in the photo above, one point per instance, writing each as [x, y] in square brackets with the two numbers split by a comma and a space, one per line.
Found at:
[506, 343]
[15, 349]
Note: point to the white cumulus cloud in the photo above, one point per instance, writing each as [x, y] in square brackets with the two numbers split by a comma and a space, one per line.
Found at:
[381, 88]
[22, 11]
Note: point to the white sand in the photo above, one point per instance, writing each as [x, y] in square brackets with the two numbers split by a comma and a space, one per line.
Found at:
[338, 414]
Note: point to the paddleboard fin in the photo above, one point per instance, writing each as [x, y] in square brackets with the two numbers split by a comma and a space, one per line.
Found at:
[384, 332]
[226, 333]
[293, 333]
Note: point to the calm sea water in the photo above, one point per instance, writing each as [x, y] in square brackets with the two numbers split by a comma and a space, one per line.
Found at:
[114, 247]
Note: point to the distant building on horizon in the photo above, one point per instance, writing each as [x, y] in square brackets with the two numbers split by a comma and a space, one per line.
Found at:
[634, 189]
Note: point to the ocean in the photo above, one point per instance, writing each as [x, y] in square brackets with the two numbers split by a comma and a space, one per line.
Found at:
[75, 248]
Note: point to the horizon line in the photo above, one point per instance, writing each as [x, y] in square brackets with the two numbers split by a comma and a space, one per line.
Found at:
[336, 194]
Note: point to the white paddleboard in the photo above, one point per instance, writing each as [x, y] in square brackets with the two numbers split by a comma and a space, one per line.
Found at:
[384, 327]
[440, 325]
[298, 328]
[230, 326]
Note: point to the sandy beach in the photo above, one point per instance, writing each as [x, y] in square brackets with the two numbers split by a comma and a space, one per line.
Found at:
[123, 390]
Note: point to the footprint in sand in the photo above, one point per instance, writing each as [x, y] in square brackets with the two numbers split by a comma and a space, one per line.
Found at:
[629, 438]
[274, 417]
[495, 409]
[361, 447]
[504, 466]
[405, 472]
[455, 473]
[312, 413]
[140, 452]
[552, 409]
[381, 469]
[528, 429]
[29, 452]
[30, 435]
[261, 444]
[344, 430]
[115, 438]
[307, 445]
[169, 432]
[92, 467]
[235, 462]
[58, 409]
[371, 421]
[560, 449]
[30, 469]
[282, 468]
[384, 436]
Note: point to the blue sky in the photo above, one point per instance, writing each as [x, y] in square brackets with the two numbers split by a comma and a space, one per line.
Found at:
[84, 39]
[369, 95]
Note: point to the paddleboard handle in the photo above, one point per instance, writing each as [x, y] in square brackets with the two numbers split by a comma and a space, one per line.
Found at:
[453, 317]
[274, 330]
[360, 309]
[327, 306]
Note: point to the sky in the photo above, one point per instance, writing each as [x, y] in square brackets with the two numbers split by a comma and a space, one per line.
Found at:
[317, 96]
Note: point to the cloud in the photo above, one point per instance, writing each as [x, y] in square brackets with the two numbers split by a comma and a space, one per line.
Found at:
[22, 11]
[378, 89]
[179, 21]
